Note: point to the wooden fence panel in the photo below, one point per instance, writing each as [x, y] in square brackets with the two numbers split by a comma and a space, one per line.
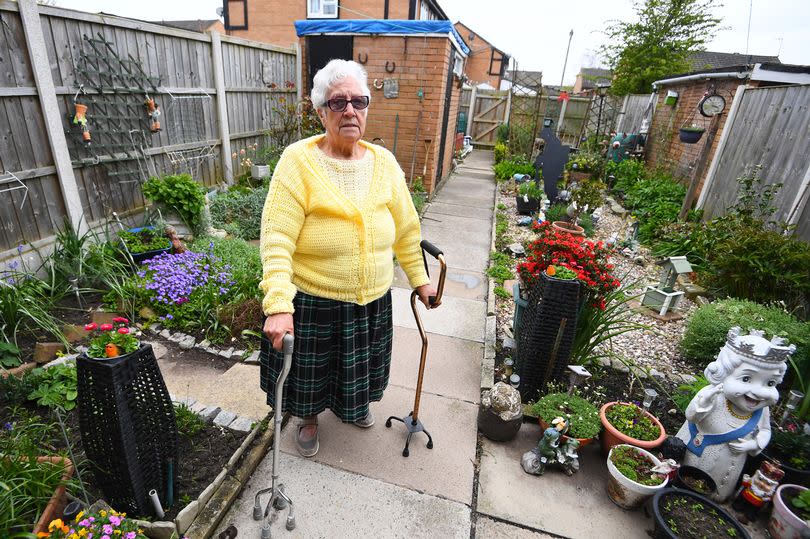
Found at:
[771, 128]
[633, 113]
[489, 112]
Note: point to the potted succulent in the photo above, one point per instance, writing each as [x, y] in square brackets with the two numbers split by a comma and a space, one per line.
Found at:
[583, 416]
[111, 340]
[144, 242]
[790, 518]
[633, 478]
[627, 423]
[528, 198]
[688, 515]
[691, 134]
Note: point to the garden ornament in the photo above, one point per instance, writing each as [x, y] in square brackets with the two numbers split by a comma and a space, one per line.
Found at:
[504, 400]
[552, 449]
[757, 490]
[729, 419]
[177, 246]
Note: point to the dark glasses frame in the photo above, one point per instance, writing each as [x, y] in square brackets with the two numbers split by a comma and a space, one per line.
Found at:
[339, 104]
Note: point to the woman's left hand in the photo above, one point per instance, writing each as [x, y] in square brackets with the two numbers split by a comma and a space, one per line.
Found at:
[425, 292]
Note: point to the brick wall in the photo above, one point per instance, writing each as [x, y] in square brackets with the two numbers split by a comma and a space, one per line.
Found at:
[423, 62]
[478, 62]
[664, 148]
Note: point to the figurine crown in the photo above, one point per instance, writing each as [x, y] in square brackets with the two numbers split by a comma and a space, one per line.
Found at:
[754, 346]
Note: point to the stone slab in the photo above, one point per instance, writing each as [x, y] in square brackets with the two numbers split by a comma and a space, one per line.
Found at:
[462, 250]
[334, 503]
[224, 418]
[457, 283]
[439, 207]
[452, 369]
[446, 470]
[47, 351]
[241, 424]
[209, 413]
[469, 191]
[456, 230]
[455, 317]
[486, 528]
[576, 506]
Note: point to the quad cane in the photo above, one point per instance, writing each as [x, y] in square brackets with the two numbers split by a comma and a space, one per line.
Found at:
[278, 498]
[411, 421]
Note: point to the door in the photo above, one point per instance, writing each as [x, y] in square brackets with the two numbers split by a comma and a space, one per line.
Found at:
[321, 49]
[488, 112]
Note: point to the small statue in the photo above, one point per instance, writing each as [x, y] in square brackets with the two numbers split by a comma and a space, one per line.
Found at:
[729, 419]
[178, 247]
[553, 449]
[757, 491]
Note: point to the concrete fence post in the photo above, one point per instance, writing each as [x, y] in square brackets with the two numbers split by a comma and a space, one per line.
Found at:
[222, 107]
[471, 111]
[41, 67]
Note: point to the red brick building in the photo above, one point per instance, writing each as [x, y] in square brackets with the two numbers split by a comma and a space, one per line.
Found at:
[486, 63]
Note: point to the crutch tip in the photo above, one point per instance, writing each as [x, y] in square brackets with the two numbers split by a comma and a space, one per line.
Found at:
[290, 523]
[266, 533]
[257, 512]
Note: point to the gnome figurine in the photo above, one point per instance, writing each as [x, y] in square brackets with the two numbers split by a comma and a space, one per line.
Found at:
[729, 419]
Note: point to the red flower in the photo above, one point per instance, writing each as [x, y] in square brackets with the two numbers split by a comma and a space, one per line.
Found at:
[120, 320]
[123, 331]
[91, 326]
[106, 327]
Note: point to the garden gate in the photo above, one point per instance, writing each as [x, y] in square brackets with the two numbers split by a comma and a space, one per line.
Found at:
[489, 109]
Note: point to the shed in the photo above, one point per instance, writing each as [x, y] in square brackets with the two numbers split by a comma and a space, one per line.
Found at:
[415, 73]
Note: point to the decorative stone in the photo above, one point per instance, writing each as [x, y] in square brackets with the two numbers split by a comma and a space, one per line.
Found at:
[223, 419]
[509, 343]
[158, 530]
[188, 401]
[238, 354]
[208, 413]
[205, 343]
[46, 351]
[166, 334]
[155, 328]
[227, 353]
[742, 387]
[187, 342]
[688, 378]
[159, 350]
[604, 361]
[73, 332]
[177, 337]
[242, 424]
[198, 407]
[655, 373]
[212, 350]
[516, 249]
[253, 359]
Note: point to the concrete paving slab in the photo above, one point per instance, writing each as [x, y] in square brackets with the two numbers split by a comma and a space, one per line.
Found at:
[446, 470]
[481, 202]
[486, 528]
[466, 226]
[576, 506]
[333, 503]
[462, 249]
[453, 366]
[467, 187]
[456, 317]
[235, 389]
[451, 208]
[458, 283]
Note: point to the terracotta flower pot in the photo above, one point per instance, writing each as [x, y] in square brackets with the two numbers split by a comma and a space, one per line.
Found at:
[571, 228]
[612, 436]
[58, 500]
[784, 523]
[582, 441]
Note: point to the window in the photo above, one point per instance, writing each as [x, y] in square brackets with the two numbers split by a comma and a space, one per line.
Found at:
[322, 9]
[458, 65]
[425, 13]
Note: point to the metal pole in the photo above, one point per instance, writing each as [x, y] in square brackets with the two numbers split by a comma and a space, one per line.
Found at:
[565, 64]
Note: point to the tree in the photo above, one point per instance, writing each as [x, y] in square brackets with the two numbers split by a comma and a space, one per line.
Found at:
[658, 43]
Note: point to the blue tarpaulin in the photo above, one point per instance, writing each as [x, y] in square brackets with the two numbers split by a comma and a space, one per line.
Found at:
[378, 27]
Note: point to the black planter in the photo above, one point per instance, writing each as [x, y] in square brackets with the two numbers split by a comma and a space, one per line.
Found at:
[526, 208]
[662, 530]
[793, 476]
[493, 427]
[139, 258]
[689, 136]
[686, 472]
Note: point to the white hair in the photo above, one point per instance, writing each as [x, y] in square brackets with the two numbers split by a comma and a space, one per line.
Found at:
[331, 73]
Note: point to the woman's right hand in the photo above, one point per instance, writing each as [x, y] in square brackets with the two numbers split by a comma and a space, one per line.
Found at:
[276, 326]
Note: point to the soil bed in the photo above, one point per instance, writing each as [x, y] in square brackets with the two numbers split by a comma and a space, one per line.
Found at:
[688, 518]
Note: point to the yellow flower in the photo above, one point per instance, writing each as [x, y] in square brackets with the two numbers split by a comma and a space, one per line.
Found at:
[79, 516]
[103, 513]
[83, 532]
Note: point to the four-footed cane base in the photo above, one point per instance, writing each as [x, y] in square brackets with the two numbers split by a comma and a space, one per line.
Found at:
[413, 426]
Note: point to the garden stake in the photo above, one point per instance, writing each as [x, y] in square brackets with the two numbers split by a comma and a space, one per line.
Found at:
[72, 457]
[552, 360]
[411, 421]
[278, 498]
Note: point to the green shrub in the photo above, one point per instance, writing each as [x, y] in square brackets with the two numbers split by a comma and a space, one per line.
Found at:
[499, 152]
[516, 164]
[557, 212]
[54, 387]
[586, 162]
[239, 212]
[180, 193]
[624, 174]
[586, 222]
[581, 414]
[500, 270]
[655, 202]
[9, 355]
[501, 292]
[243, 259]
[502, 135]
[706, 332]
[144, 240]
[686, 392]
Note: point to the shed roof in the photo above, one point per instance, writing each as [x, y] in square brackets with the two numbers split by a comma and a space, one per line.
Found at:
[381, 27]
[702, 60]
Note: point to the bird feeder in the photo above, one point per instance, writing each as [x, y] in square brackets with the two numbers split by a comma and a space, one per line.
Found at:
[662, 296]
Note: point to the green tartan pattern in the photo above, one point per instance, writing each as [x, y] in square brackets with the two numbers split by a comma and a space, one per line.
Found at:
[341, 358]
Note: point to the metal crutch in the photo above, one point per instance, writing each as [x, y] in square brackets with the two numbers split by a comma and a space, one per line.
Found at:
[411, 421]
[278, 498]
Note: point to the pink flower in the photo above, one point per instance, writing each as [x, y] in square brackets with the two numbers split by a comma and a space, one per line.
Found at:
[123, 331]
[115, 520]
[107, 529]
[91, 326]
[121, 320]
[130, 535]
[106, 327]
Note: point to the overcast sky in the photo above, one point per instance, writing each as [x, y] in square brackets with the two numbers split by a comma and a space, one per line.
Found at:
[535, 32]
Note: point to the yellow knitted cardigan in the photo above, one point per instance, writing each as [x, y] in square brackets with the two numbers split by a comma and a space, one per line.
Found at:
[315, 239]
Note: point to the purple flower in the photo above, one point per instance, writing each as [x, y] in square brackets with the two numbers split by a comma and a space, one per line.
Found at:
[8, 426]
[115, 520]
[107, 529]
[130, 535]
[14, 264]
[20, 248]
[85, 523]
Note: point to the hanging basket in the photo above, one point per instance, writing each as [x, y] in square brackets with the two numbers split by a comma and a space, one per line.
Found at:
[690, 136]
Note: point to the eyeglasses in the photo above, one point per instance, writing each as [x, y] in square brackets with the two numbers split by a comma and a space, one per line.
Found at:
[339, 104]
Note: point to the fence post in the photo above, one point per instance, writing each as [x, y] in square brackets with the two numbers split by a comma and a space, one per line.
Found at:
[732, 113]
[470, 117]
[299, 76]
[800, 202]
[41, 67]
[222, 107]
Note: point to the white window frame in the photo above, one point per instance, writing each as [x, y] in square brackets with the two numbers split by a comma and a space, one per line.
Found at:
[458, 65]
[320, 12]
[425, 13]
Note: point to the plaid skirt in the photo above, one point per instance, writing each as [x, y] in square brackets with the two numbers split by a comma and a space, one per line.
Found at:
[341, 357]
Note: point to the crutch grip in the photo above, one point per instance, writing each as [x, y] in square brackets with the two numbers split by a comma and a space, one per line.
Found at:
[431, 249]
[287, 343]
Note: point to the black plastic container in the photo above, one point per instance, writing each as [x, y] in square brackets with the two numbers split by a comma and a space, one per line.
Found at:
[685, 473]
[527, 207]
[662, 529]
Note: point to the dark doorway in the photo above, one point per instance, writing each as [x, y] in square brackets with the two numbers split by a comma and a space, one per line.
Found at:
[321, 49]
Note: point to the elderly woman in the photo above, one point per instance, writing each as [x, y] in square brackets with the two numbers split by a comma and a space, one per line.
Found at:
[337, 212]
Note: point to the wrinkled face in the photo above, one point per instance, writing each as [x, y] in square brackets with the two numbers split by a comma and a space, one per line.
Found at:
[750, 388]
[347, 126]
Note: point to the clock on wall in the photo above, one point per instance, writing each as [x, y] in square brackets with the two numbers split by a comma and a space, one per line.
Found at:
[711, 105]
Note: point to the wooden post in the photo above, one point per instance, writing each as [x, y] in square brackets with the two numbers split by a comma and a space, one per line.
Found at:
[471, 112]
[41, 67]
[700, 166]
[562, 117]
[299, 75]
[222, 107]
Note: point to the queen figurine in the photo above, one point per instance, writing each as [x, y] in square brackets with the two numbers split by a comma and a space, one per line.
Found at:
[729, 419]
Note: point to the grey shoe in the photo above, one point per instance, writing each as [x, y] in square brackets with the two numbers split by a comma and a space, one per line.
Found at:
[365, 422]
[306, 444]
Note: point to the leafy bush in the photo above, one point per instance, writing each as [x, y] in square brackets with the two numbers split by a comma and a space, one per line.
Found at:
[582, 415]
[586, 162]
[557, 212]
[625, 173]
[501, 292]
[586, 222]
[516, 164]
[180, 193]
[655, 201]
[55, 387]
[499, 152]
[25, 305]
[9, 355]
[684, 393]
[588, 194]
[243, 260]
[706, 332]
[239, 212]
[144, 240]
[502, 134]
